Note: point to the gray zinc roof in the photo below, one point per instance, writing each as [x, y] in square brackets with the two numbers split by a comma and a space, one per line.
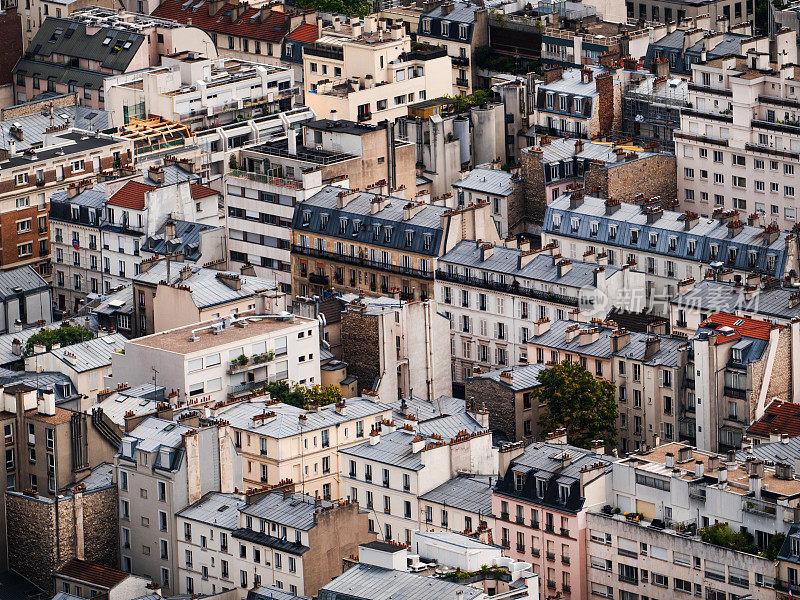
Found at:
[287, 422]
[392, 449]
[424, 409]
[34, 125]
[488, 181]
[706, 233]
[7, 355]
[140, 400]
[560, 149]
[187, 239]
[541, 268]
[92, 354]
[523, 377]
[368, 582]
[98, 478]
[207, 289]
[449, 426]
[469, 493]
[93, 197]
[571, 83]
[296, 511]
[320, 214]
[215, 508]
[60, 74]
[152, 433]
[718, 296]
[20, 280]
[120, 301]
[268, 592]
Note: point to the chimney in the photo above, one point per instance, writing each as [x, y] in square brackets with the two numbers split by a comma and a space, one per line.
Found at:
[685, 454]
[612, 205]
[564, 267]
[699, 468]
[589, 336]
[553, 73]
[291, 138]
[713, 463]
[47, 403]
[572, 332]
[417, 444]
[722, 475]
[157, 175]
[690, 219]
[771, 233]
[587, 75]
[16, 347]
[620, 338]
[578, 146]
[651, 347]
[598, 447]
[169, 230]
[559, 436]
[541, 326]
[755, 486]
[669, 460]
[374, 436]
[575, 199]
[735, 227]
[784, 470]
[685, 285]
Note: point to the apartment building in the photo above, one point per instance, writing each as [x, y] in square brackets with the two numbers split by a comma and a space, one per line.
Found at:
[388, 473]
[540, 505]
[554, 167]
[279, 442]
[686, 45]
[373, 74]
[78, 53]
[394, 259]
[395, 348]
[494, 296]
[224, 358]
[237, 29]
[461, 27]
[199, 92]
[272, 178]
[788, 564]
[507, 396]
[730, 12]
[645, 369]
[47, 449]
[103, 231]
[737, 146]
[462, 504]
[279, 537]
[735, 364]
[767, 300]
[651, 110]
[580, 103]
[667, 246]
[28, 180]
[168, 294]
[33, 14]
[161, 468]
[502, 190]
[665, 497]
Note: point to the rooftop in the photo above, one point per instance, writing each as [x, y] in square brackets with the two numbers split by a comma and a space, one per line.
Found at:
[62, 144]
[34, 125]
[94, 574]
[185, 238]
[153, 433]
[221, 510]
[296, 510]
[179, 341]
[518, 377]
[779, 418]
[565, 149]
[571, 82]
[488, 181]
[465, 492]
[92, 354]
[140, 400]
[268, 592]
[369, 582]
[769, 301]
[20, 281]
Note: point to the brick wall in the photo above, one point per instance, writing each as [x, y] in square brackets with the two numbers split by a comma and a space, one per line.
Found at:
[10, 42]
[360, 347]
[42, 533]
[30, 108]
[605, 103]
[499, 401]
[533, 189]
[651, 176]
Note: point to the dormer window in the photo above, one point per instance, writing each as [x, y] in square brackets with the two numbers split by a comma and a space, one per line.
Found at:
[691, 246]
[634, 236]
[519, 481]
[426, 25]
[541, 487]
[356, 226]
[323, 219]
[795, 545]
[653, 239]
[594, 227]
[714, 248]
[563, 493]
[376, 232]
[612, 232]
[306, 218]
[462, 31]
[426, 241]
[342, 224]
[409, 238]
[557, 221]
[387, 234]
[736, 355]
[732, 255]
[673, 243]
[575, 222]
[446, 28]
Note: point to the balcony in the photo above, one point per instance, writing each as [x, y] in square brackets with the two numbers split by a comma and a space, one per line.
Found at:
[549, 528]
[462, 82]
[521, 548]
[363, 262]
[270, 179]
[535, 552]
[551, 556]
[565, 560]
[364, 117]
[566, 588]
[460, 61]
[512, 288]
[318, 279]
[245, 363]
[551, 585]
[242, 389]
[564, 532]
[504, 516]
[735, 393]
[759, 507]
[520, 520]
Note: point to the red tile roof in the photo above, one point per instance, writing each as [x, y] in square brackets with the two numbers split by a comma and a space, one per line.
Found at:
[271, 26]
[742, 326]
[201, 191]
[94, 574]
[131, 195]
[780, 417]
[307, 32]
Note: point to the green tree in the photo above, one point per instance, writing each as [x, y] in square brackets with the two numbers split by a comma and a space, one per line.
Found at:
[283, 392]
[323, 395]
[721, 534]
[575, 400]
[65, 336]
[774, 545]
[342, 7]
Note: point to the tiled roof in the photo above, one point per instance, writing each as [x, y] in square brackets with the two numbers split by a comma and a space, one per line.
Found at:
[92, 573]
[249, 24]
[742, 326]
[201, 191]
[306, 32]
[131, 195]
[780, 417]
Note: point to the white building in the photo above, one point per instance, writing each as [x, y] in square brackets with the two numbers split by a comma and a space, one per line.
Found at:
[499, 188]
[212, 361]
[494, 295]
[737, 148]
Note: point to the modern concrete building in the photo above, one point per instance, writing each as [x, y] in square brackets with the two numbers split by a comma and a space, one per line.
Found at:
[226, 357]
[373, 75]
[162, 467]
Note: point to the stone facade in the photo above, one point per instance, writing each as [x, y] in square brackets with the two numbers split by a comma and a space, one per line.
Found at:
[499, 401]
[45, 533]
[360, 346]
[651, 176]
[535, 201]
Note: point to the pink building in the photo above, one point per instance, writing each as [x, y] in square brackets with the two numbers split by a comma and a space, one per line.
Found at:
[540, 506]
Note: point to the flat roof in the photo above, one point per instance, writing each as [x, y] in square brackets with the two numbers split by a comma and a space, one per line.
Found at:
[178, 340]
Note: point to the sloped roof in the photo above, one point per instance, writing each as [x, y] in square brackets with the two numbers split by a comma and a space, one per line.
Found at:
[23, 279]
[249, 24]
[91, 354]
[92, 573]
[201, 191]
[131, 195]
[306, 32]
[742, 326]
[779, 417]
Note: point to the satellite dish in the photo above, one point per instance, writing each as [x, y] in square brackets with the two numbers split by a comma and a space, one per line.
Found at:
[639, 118]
